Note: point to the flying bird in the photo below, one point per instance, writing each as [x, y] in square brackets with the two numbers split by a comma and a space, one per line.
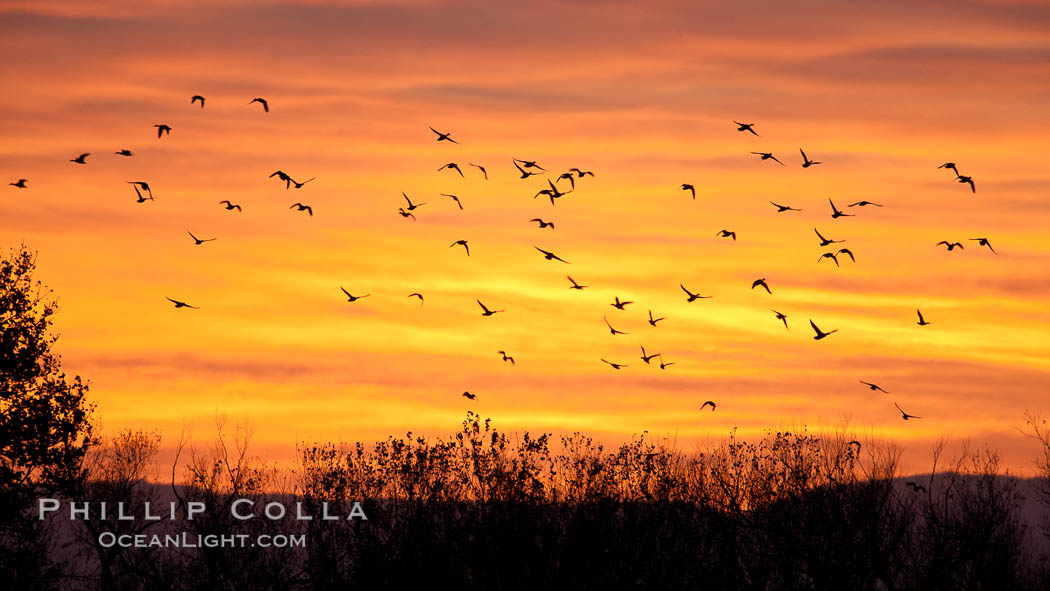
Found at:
[261, 101]
[454, 198]
[352, 298]
[443, 136]
[140, 198]
[980, 242]
[692, 296]
[690, 188]
[905, 415]
[863, 204]
[486, 311]
[196, 98]
[647, 358]
[550, 256]
[727, 234]
[301, 207]
[124, 152]
[481, 168]
[951, 245]
[806, 162]
[663, 364]
[950, 166]
[835, 213]
[524, 173]
[80, 159]
[411, 206]
[143, 185]
[283, 176]
[846, 252]
[967, 179]
[299, 185]
[179, 304]
[581, 173]
[820, 334]
[829, 255]
[922, 321]
[569, 176]
[162, 129]
[198, 241]
[745, 127]
[612, 330]
[506, 357]
[824, 241]
[783, 318]
[530, 164]
[470, 396]
[574, 284]
[710, 403]
[230, 206]
[873, 387]
[768, 156]
[21, 184]
[405, 214]
[615, 365]
[618, 304]
[542, 223]
[762, 282]
[462, 243]
[653, 321]
[416, 295]
[452, 166]
[783, 208]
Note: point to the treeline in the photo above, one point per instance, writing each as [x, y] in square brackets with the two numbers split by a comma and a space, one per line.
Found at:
[482, 510]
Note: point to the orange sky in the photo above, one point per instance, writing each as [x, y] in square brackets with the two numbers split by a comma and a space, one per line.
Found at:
[644, 97]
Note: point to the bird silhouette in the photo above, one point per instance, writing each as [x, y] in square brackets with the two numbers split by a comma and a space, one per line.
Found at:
[21, 184]
[905, 415]
[462, 243]
[447, 137]
[581, 173]
[574, 284]
[762, 282]
[783, 208]
[542, 223]
[692, 296]
[615, 365]
[524, 173]
[352, 298]
[967, 179]
[470, 396]
[80, 159]
[806, 162]
[143, 185]
[230, 206]
[647, 358]
[690, 188]
[835, 213]
[411, 206]
[569, 176]
[745, 127]
[707, 403]
[481, 168]
[162, 129]
[530, 164]
[302, 207]
[873, 387]
[820, 334]
[452, 166]
[124, 152]
[980, 242]
[416, 295]
[618, 304]
[486, 311]
[768, 156]
[846, 252]
[261, 101]
[783, 318]
[198, 241]
[454, 198]
[195, 98]
[951, 245]
[612, 330]
[653, 321]
[506, 357]
[950, 166]
[405, 214]
[665, 364]
[299, 185]
[726, 234]
[140, 198]
[825, 241]
[922, 321]
[550, 256]
[829, 255]
[283, 176]
[863, 204]
[179, 304]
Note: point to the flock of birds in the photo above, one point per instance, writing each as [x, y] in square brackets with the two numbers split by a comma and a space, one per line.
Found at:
[554, 191]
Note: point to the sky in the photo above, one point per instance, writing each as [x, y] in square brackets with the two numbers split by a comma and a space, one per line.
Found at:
[643, 95]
